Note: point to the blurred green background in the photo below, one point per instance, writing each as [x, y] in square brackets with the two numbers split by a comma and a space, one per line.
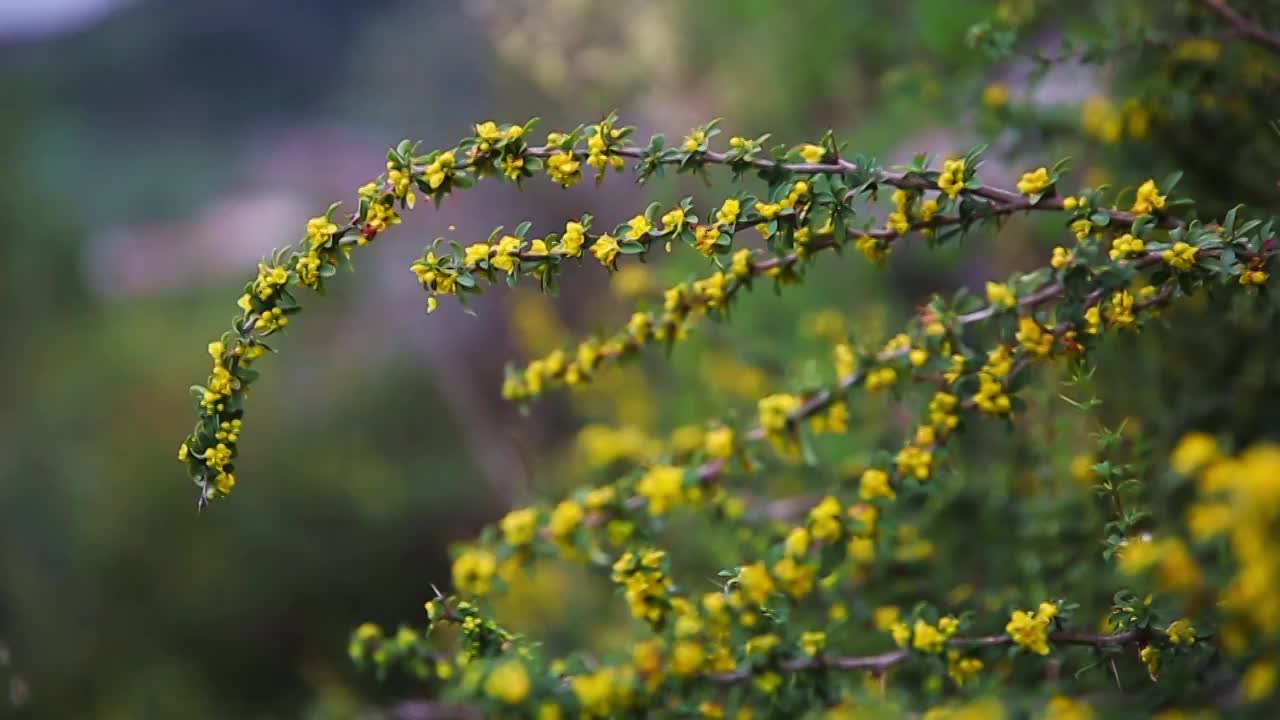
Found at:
[154, 150]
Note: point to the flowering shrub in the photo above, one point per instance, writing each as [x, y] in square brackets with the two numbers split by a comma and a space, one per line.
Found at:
[836, 601]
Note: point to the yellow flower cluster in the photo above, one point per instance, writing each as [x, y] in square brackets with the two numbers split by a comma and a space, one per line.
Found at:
[564, 169]
[1036, 340]
[663, 487]
[643, 576]
[923, 636]
[473, 572]
[1148, 199]
[775, 415]
[1181, 256]
[1126, 246]
[600, 145]
[1034, 182]
[915, 459]
[999, 295]
[952, 178]
[900, 218]
[1031, 630]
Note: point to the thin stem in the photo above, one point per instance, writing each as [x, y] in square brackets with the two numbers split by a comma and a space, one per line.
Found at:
[1245, 27]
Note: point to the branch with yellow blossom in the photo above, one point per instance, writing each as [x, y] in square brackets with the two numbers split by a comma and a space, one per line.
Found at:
[267, 303]
[883, 662]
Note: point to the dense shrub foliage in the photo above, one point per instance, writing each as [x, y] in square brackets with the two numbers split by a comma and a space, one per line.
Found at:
[907, 580]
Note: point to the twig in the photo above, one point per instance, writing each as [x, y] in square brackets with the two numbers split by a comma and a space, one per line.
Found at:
[1245, 27]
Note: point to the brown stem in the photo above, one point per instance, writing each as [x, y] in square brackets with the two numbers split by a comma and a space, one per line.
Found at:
[1245, 27]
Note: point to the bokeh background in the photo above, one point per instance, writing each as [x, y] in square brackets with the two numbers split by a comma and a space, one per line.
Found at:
[153, 150]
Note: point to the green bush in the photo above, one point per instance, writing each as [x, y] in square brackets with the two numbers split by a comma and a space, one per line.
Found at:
[847, 544]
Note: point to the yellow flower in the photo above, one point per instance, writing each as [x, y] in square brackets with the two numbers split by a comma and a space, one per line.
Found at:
[768, 682]
[706, 239]
[872, 249]
[999, 295]
[812, 153]
[217, 456]
[845, 361]
[687, 658]
[926, 638]
[564, 169]
[673, 221]
[1150, 656]
[694, 140]
[572, 240]
[1148, 199]
[962, 669]
[995, 95]
[916, 460]
[1036, 340]
[1208, 519]
[1259, 681]
[1034, 182]
[512, 167]
[797, 542]
[768, 211]
[720, 442]
[437, 171]
[824, 520]
[519, 527]
[488, 131]
[1181, 256]
[951, 180]
[1030, 632]
[224, 481]
[729, 211]
[269, 278]
[775, 411]
[1061, 258]
[901, 634]
[508, 682]
[473, 571]
[606, 250]
[1194, 451]
[1125, 246]
[881, 378]
[638, 227]
[319, 231]
[506, 254]
[595, 692]
[813, 642]
[1081, 228]
[565, 519]
[308, 269]
[1253, 278]
[1062, 707]
[475, 254]
[1121, 313]
[795, 577]
[1181, 632]
[663, 486]
[875, 484]
[755, 582]
[712, 289]
[885, 617]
